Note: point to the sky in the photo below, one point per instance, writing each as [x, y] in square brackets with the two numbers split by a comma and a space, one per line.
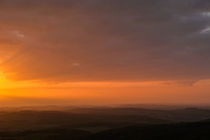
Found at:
[101, 52]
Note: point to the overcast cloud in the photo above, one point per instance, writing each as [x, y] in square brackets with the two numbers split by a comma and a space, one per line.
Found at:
[97, 40]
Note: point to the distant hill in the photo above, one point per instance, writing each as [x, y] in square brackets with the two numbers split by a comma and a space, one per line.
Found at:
[97, 119]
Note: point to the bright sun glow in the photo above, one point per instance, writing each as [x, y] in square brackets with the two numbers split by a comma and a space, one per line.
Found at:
[2, 79]
[6, 83]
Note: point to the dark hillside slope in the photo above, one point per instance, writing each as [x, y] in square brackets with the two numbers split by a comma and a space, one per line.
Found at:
[182, 131]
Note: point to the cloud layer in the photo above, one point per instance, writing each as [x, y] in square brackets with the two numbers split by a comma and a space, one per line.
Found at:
[99, 40]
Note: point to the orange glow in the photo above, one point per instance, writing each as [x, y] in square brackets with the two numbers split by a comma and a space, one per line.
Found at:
[101, 93]
[103, 53]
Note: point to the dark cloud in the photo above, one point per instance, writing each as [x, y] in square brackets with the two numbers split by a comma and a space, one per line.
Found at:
[106, 39]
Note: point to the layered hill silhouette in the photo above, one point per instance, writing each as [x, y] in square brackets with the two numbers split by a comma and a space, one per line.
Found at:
[106, 124]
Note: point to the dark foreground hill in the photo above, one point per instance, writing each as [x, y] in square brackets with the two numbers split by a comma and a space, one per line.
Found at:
[106, 124]
[181, 131]
[46, 134]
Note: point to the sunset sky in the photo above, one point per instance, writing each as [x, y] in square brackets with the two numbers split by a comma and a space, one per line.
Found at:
[102, 52]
